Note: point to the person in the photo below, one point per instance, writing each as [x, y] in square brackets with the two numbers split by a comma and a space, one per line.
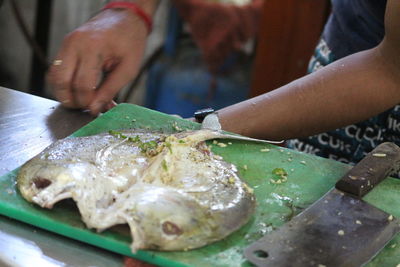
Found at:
[359, 90]
[112, 42]
[345, 35]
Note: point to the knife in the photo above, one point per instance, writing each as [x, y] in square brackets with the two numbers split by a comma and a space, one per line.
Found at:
[340, 229]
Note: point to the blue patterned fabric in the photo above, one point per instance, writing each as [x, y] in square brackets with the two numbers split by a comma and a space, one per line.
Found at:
[354, 25]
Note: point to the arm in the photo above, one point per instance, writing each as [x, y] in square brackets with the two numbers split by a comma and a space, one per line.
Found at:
[349, 90]
[112, 42]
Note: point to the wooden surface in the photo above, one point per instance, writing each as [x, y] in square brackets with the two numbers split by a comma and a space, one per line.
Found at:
[289, 31]
[28, 124]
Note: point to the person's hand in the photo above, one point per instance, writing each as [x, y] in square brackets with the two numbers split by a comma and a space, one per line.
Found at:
[229, 29]
[97, 59]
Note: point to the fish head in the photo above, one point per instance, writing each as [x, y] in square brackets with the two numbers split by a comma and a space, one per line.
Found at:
[46, 184]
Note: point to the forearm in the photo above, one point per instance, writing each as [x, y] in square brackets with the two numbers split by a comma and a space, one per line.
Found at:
[148, 6]
[350, 90]
[347, 91]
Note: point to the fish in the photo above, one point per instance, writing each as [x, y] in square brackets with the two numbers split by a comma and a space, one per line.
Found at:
[174, 193]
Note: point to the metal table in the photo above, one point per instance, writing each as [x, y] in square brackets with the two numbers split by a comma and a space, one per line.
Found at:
[28, 124]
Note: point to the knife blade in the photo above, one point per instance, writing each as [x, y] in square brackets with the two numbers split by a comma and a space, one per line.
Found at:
[340, 229]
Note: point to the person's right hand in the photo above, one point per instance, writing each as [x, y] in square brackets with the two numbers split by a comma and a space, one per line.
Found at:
[97, 59]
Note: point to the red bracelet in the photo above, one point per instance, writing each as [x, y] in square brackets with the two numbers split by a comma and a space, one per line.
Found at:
[135, 9]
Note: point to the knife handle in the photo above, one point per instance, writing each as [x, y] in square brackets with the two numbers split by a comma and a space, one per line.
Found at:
[371, 170]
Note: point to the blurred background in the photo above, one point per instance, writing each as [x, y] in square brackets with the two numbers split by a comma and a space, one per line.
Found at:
[179, 73]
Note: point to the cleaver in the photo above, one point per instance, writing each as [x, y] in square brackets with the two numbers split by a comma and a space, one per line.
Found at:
[340, 229]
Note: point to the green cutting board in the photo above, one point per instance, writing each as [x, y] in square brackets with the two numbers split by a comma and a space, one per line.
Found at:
[309, 177]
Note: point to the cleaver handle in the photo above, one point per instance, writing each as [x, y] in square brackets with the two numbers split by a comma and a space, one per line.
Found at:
[371, 170]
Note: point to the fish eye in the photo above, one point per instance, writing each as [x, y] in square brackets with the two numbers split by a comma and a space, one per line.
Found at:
[41, 183]
[170, 228]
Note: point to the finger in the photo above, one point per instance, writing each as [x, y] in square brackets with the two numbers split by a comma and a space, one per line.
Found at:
[85, 79]
[114, 81]
[60, 76]
[110, 105]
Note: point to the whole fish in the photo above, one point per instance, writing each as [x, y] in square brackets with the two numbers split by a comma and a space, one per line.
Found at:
[171, 190]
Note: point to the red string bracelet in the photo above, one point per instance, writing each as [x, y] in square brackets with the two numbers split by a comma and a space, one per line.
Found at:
[135, 9]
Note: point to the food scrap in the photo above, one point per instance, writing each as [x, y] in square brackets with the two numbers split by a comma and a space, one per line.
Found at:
[176, 127]
[222, 145]
[280, 176]
[248, 189]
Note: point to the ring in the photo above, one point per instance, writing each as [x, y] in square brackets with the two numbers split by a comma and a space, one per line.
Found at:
[57, 62]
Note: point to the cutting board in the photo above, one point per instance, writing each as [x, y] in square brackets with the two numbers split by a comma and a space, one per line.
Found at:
[309, 177]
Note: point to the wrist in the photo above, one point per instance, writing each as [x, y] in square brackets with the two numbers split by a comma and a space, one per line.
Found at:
[143, 10]
[199, 115]
[208, 119]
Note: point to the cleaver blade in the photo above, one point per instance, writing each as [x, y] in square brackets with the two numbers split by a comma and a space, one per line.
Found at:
[340, 229]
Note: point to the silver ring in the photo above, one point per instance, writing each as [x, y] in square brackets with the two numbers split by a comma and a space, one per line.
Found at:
[57, 62]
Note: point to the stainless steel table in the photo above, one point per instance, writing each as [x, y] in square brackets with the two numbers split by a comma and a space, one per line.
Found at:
[28, 124]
